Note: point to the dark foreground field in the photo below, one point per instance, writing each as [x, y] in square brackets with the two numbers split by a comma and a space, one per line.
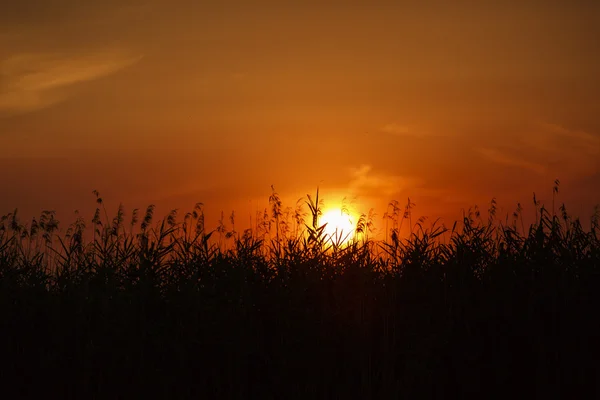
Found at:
[490, 309]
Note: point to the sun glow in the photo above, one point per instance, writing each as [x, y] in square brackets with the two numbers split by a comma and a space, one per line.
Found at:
[340, 227]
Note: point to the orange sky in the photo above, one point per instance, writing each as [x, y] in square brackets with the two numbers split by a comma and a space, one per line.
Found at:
[175, 102]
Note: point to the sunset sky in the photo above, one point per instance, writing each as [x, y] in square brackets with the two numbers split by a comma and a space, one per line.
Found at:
[178, 102]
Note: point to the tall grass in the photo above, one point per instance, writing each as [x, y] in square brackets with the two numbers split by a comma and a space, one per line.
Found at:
[282, 310]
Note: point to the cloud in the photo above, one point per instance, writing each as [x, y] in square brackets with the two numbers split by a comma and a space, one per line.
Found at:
[238, 76]
[34, 81]
[396, 129]
[365, 182]
[550, 148]
[502, 158]
[586, 141]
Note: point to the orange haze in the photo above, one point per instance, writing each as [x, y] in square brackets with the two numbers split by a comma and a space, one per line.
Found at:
[173, 103]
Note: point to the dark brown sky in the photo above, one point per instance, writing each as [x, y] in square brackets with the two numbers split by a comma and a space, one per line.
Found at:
[174, 102]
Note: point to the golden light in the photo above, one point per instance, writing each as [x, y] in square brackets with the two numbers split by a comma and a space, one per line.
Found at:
[339, 225]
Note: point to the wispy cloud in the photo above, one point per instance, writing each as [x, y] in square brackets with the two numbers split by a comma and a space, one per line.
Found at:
[364, 181]
[502, 158]
[396, 129]
[34, 81]
[550, 148]
[238, 76]
[584, 139]
[404, 130]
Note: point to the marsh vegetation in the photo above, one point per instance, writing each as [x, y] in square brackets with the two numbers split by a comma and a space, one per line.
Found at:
[170, 308]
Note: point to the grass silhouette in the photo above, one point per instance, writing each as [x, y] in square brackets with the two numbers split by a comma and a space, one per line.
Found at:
[281, 310]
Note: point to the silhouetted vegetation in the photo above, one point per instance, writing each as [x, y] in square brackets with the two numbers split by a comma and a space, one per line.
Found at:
[174, 310]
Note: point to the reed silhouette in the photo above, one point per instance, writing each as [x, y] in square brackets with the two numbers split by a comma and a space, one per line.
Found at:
[173, 309]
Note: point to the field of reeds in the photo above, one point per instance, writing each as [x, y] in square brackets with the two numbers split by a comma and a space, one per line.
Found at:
[115, 308]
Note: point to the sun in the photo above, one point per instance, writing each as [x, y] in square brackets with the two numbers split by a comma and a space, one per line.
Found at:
[339, 225]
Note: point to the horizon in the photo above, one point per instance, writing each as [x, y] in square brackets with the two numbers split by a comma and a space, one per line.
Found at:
[338, 219]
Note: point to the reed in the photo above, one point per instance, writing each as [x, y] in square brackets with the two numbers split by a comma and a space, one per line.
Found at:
[281, 310]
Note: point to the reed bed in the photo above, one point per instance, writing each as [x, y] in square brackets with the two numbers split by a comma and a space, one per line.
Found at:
[169, 308]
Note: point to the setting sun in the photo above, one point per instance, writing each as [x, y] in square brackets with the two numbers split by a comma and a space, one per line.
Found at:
[339, 225]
